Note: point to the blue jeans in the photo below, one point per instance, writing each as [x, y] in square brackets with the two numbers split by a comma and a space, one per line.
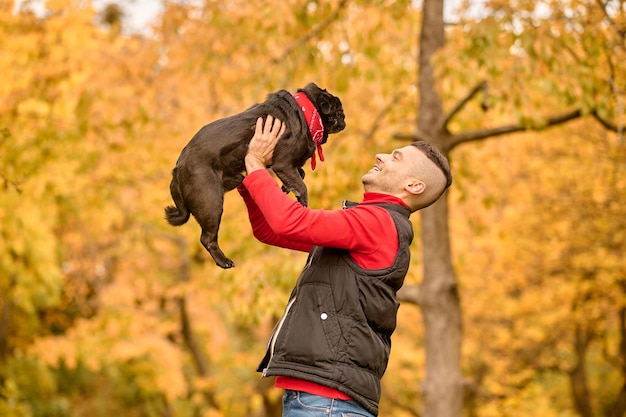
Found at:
[301, 404]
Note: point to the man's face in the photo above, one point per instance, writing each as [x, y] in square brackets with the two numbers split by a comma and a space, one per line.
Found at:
[391, 170]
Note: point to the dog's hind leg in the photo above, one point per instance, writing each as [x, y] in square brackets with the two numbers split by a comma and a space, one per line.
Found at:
[209, 241]
[176, 215]
[207, 204]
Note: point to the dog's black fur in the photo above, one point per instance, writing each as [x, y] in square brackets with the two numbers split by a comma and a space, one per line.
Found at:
[212, 163]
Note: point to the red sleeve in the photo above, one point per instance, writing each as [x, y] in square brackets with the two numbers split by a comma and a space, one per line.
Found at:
[261, 229]
[367, 231]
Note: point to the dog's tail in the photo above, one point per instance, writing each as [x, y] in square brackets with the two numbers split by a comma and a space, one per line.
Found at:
[176, 215]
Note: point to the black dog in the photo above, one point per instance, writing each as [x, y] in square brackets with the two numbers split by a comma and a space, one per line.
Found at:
[212, 163]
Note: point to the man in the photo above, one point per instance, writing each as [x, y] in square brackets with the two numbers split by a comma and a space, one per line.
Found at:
[330, 349]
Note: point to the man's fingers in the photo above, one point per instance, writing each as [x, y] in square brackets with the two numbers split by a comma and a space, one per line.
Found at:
[270, 128]
[277, 125]
[268, 124]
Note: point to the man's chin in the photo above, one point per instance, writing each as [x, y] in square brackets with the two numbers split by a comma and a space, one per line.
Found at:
[368, 182]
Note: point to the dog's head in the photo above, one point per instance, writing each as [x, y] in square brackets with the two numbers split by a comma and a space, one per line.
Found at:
[329, 108]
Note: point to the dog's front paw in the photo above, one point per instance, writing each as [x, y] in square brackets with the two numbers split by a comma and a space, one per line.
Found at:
[303, 200]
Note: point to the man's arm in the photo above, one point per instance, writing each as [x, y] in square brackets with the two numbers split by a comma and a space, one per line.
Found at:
[262, 230]
[259, 156]
[366, 231]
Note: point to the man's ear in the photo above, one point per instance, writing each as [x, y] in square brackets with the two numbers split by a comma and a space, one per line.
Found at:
[415, 186]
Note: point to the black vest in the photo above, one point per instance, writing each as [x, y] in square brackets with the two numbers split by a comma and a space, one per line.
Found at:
[336, 330]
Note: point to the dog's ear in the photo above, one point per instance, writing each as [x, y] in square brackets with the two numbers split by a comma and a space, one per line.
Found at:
[313, 91]
[324, 104]
[312, 87]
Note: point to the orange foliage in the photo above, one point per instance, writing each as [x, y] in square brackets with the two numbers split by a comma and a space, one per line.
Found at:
[92, 120]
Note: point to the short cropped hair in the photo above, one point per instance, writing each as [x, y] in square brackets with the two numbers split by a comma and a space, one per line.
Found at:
[438, 159]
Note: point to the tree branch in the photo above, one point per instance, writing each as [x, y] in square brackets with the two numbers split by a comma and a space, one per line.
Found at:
[409, 294]
[457, 139]
[459, 106]
[311, 34]
[453, 140]
[381, 115]
[8, 182]
[607, 125]
[621, 32]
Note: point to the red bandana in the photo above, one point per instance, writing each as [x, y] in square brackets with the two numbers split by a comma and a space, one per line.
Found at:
[314, 121]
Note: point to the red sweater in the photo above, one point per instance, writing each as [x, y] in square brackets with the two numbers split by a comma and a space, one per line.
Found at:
[366, 231]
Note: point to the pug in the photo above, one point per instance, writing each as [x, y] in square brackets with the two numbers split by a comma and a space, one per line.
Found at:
[212, 163]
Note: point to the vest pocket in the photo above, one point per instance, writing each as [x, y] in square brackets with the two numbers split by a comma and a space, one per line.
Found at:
[311, 332]
[370, 350]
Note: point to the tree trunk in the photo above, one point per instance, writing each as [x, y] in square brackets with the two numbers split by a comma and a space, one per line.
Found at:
[438, 296]
[578, 375]
[439, 302]
[619, 407]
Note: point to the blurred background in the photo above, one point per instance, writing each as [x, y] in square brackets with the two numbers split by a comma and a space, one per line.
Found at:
[106, 310]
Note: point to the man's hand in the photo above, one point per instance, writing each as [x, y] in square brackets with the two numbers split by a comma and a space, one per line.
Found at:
[261, 146]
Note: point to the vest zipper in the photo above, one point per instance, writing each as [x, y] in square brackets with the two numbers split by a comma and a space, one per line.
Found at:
[276, 332]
